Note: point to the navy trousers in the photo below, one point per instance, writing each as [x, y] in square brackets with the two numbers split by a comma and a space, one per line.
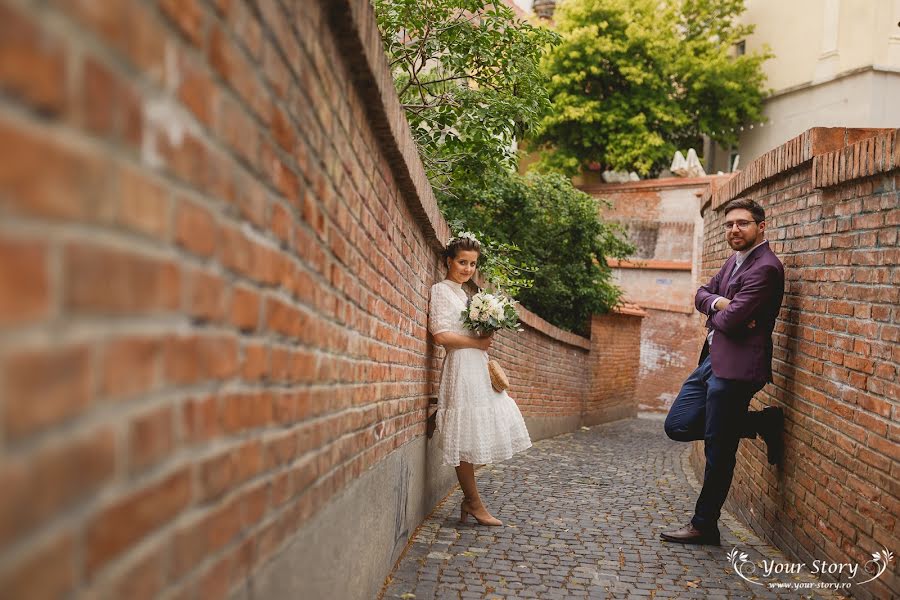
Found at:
[714, 410]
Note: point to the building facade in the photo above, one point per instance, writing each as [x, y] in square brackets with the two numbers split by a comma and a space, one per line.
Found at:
[662, 219]
[836, 63]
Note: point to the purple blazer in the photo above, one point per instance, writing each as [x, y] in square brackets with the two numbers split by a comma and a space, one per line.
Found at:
[755, 290]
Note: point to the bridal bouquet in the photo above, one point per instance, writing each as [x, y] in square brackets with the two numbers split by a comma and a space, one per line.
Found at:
[486, 313]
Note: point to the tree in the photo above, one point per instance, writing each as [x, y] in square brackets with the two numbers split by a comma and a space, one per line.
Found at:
[634, 80]
[468, 76]
[467, 73]
[560, 240]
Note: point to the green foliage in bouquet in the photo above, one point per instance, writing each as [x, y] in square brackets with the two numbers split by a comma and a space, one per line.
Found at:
[486, 313]
[561, 243]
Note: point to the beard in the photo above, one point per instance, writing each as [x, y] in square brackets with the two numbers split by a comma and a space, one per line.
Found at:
[740, 243]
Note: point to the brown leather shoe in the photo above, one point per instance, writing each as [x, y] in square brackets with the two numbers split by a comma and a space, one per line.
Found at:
[691, 535]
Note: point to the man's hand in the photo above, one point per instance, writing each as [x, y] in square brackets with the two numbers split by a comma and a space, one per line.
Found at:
[721, 303]
[751, 324]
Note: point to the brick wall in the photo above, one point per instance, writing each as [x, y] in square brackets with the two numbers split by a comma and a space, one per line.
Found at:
[546, 372]
[662, 218]
[615, 356]
[670, 346]
[215, 249]
[833, 210]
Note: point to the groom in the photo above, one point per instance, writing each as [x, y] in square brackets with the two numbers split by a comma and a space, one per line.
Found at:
[742, 302]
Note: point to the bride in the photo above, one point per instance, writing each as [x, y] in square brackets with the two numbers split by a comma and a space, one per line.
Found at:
[477, 424]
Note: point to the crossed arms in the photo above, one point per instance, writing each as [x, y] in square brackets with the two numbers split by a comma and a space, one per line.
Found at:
[734, 315]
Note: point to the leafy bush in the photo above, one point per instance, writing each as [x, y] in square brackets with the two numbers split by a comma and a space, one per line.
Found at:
[562, 243]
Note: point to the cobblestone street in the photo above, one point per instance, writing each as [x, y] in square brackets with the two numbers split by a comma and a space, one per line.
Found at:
[582, 515]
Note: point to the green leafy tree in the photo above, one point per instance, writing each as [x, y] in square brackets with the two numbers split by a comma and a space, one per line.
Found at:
[560, 242]
[634, 80]
[468, 76]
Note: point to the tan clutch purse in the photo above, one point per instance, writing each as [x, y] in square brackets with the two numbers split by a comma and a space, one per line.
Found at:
[499, 381]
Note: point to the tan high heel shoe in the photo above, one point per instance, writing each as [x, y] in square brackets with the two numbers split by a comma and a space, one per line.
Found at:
[465, 511]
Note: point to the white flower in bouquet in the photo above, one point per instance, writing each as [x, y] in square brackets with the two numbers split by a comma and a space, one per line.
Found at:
[487, 312]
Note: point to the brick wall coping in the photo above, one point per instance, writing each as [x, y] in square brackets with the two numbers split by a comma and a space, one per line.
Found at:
[865, 158]
[650, 184]
[539, 324]
[560, 335]
[793, 153]
[354, 21]
[629, 309]
[667, 306]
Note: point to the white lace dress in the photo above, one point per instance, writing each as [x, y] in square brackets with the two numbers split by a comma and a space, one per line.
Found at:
[475, 423]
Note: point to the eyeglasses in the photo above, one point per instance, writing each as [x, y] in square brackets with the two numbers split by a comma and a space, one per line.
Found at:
[742, 225]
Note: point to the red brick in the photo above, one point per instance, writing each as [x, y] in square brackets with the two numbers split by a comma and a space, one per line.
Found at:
[188, 547]
[895, 160]
[109, 105]
[32, 64]
[256, 362]
[128, 27]
[229, 469]
[125, 522]
[197, 90]
[200, 418]
[73, 184]
[252, 202]
[253, 506]
[129, 366]
[45, 387]
[188, 16]
[281, 130]
[268, 540]
[858, 134]
[283, 318]
[245, 305]
[247, 29]
[151, 438]
[144, 204]
[187, 157]
[282, 489]
[50, 571]
[143, 580]
[282, 224]
[107, 280]
[235, 251]
[222, 525]
[98, 105]
[53, 479]
[195, 229]
[207, 300]
[24, 282]
[275, 71]
[215, 582]
[237, 130]
[194, 358]
[284, 408]
[245, 411]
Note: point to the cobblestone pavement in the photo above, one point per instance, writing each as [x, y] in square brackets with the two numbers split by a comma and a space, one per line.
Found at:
[582, 514]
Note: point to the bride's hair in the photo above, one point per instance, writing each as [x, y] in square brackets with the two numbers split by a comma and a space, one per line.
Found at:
[461, 244]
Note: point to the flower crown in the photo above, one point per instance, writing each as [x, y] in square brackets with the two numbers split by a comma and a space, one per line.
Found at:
[467, 235]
